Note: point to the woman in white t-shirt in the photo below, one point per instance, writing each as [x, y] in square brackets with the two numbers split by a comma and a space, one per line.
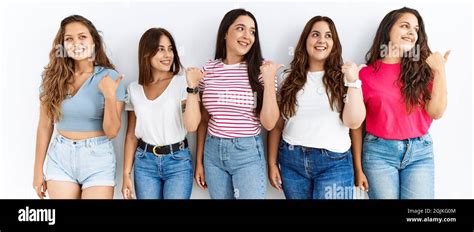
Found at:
[320, 99]
[163, 106]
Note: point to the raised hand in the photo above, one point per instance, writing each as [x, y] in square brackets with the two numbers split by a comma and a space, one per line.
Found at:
[351, 71]
[436, 61]
[193, 76]
[108, 86]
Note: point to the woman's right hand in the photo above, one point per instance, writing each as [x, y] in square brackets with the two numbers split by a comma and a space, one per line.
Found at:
[127, 188]
[274, 176]
[39, 185]
[361, 181]
[199, 176]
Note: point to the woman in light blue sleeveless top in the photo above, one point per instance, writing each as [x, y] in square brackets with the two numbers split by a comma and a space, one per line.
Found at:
[82, 95]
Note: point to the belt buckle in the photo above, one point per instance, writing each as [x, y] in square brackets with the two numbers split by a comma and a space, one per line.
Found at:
[154, 152]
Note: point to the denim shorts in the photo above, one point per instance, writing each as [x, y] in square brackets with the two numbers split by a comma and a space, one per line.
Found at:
[87, 162]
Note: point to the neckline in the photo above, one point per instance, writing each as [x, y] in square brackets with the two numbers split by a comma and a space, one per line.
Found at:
[84, 83]
[159, 96]
[316, 73]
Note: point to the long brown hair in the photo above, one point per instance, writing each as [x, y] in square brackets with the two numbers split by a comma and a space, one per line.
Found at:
[333, 78]
[58, 75]
[253, 57]
[147, 49]
[415, 74]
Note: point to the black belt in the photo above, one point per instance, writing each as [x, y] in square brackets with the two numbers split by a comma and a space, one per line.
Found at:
[163, 150]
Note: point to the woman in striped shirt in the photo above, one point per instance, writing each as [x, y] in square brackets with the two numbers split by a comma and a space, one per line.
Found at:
[238, 93]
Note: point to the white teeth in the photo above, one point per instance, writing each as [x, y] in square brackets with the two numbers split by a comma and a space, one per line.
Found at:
[243, 44]
[166, 62]
[320, 48]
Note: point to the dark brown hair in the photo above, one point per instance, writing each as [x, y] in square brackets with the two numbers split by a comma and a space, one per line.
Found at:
[58, 75]
[147, 49]
[253, 57]
[333, 78]
[415, 75]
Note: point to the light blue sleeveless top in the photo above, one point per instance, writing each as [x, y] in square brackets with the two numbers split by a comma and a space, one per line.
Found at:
[85, 110]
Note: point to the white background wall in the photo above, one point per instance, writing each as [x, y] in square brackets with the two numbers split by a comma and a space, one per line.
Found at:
[27, 30]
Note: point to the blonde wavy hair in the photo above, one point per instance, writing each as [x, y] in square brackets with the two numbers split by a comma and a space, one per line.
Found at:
[58, 75]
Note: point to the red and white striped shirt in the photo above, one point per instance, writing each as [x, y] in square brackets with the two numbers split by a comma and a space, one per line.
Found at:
[228, 97]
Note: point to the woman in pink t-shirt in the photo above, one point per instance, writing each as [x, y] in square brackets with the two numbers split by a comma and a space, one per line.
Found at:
[404, 88]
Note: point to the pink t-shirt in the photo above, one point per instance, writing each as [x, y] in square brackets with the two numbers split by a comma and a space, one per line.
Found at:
[228, 97]
[387, 116]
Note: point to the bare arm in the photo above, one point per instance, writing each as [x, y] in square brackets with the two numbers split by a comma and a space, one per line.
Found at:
[112, 117]
[191, 112]
[43, 137]
[113, 108]
[356, 139]
[354, 109]
[200, 140]
[270, 112]
[273, 141]
[131, 143]
[439, 94]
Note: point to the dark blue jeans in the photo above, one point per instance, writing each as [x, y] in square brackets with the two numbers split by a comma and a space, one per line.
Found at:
[313, 173]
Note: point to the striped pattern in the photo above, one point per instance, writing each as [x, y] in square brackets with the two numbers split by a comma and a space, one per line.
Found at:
[227, 96]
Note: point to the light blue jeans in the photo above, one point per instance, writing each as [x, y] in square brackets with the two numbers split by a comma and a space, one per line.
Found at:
[163, 177]
[399, 169]
[313, 173]
[235, 168]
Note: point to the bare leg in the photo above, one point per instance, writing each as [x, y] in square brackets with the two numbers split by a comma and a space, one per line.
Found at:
[98, 192]
[63, 190]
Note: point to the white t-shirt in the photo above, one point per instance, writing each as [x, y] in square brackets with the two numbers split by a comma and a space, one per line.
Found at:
[314, 123]
[159, 121]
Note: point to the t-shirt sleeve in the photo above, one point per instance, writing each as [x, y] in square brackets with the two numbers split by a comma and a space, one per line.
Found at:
[120, 94]
[128, 99]
[202, 83]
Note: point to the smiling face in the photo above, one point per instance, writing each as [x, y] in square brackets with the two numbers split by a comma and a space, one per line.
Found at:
[240, 36]
[163, 59]
[319, 42]
[78, 41]
[404, 33]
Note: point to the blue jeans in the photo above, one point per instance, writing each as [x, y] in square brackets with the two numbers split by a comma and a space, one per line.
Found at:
[313, 173]
[163, 177]
[399, 169]
[235, 168]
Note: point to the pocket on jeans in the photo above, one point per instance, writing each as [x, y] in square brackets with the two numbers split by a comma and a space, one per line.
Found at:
[427, 140]
[139, 153]
[181, 155]
[103, 149]
[370, 138]
[335, 155]
[246, 143]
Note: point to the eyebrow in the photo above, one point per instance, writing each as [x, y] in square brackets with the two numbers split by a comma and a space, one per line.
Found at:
[164, 46]
[327, 32]
[409, 23]
[80, 33]
[242, 25]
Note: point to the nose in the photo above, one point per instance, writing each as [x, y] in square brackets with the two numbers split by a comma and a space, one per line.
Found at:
[168, 53]
[247, 34]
